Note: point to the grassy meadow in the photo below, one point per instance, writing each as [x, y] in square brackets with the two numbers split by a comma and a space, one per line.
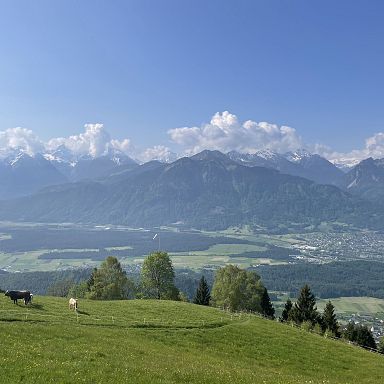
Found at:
[361, 305]
[142, 341]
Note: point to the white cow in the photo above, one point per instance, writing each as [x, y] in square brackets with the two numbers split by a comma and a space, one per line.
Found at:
[73, 303]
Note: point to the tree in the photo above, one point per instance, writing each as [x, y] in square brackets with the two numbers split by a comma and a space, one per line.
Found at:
[109, 282]
[350, 332]
[266, 305]
[360, 335]
[157, 277]
[305, 308]
[203, 295]
[364, 337]
[285, 315]
[380, 347]
[79, 290]
[60, 288]
[329, 321]
[236, 289]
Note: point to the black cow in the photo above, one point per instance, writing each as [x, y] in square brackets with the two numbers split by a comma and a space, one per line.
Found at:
[16, 295]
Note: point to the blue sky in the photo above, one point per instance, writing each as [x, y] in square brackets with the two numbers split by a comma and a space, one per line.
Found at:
[144, 67]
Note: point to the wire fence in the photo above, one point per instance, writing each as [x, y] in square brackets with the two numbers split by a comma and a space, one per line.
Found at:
[327, 336]
[77, 317]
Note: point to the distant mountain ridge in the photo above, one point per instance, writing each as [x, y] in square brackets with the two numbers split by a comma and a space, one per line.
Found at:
[53, 172]
[23, 174]
[208, 190]
[300, 163]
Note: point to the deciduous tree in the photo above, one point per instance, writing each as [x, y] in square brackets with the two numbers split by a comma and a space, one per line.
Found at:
[157, 277]
[109, 282]
[236, 289]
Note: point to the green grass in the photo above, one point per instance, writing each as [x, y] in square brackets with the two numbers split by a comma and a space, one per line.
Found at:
[361, 305]
[143, 341]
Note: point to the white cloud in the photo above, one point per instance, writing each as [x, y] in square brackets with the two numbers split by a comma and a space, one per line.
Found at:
[158, 152]
[374, 147]
[226, 133]
[95, 141]
[19, 139]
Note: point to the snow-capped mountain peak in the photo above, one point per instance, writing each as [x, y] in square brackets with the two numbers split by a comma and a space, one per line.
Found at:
[298, 155]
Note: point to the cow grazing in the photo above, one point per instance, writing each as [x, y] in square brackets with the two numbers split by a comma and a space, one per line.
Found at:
[73, 303]
[18, 295]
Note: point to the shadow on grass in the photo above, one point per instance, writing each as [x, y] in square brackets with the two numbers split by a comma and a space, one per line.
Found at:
[83, 313]
[21, 321]
[39, 307]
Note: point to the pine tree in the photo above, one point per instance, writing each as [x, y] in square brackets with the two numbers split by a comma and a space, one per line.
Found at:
[329, 319]
[380, 347]
[305, 308]
[365, 337]
[285, 315]
[266, 305]
[202, 296]
[360, 335]
[350, 332]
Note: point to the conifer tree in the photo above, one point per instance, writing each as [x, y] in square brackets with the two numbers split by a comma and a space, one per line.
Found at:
[266, 305]
[380, 347]
[202, 296]
[360, 335]
[365, 337]
[305, 308]
[285, 315]
[329, 319]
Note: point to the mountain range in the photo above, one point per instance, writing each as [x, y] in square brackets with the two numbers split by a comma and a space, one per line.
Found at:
[210, 190]
[22, 174]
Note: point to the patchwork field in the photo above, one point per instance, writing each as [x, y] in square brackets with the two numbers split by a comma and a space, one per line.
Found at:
[167, 342]
[38, 247]
[361, 305]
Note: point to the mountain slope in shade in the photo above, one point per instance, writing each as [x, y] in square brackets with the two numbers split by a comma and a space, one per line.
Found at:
[22, 174]
[206, 191]
[366, 179]
[88, 167]
[316, 168]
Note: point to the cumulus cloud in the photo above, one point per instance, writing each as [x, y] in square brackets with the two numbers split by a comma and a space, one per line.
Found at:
[374, 147]
[95, 141]
[20, 139]
[158, 152]
[225, 133]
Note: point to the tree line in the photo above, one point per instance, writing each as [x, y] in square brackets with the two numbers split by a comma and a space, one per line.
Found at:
[304, 313]
[234, 289]
[335, 279]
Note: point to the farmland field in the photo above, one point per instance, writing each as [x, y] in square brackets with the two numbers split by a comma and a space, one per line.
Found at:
[144, 341]
[362, 305]
[38, 247]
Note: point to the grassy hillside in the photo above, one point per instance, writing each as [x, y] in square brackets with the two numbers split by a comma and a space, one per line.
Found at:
[166, 342]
